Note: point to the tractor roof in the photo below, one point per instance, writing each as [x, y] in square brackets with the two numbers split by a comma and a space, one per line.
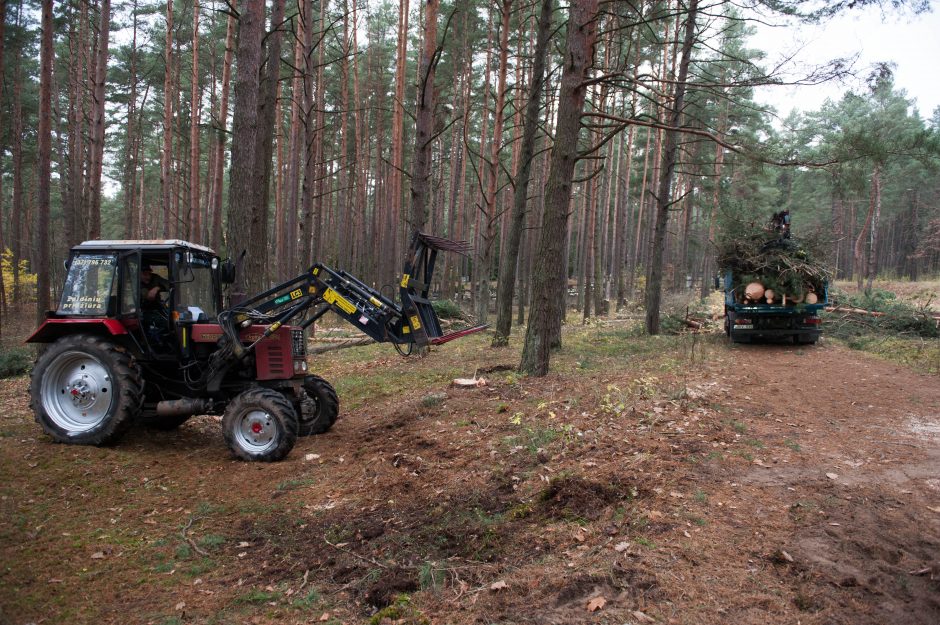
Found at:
[142, 244]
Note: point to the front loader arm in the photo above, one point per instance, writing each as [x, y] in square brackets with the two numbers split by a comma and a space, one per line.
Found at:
[323, 288]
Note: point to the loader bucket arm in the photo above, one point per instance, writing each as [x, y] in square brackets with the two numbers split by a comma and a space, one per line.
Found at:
[323, 288]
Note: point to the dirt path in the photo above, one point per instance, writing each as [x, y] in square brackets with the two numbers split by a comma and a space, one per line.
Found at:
[857, 507]
[663, 481]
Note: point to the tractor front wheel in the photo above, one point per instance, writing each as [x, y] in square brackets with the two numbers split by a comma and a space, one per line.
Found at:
[85, 390]
[260, 425]
[319, 408]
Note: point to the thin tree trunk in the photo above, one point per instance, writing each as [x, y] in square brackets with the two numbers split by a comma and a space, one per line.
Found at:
[664, 196]
[194, 221]
[3, 290]
[424, 120]
[219, 161]
[166, 183]
[875, 217]
[18, 211]
[45, 162]
[130, 153]
[490, 210]
[509, 258]
[548, 289]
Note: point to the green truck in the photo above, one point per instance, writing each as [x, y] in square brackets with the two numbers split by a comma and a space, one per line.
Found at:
[748, 318]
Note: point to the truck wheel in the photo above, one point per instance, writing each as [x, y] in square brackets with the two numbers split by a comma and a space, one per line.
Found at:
[85, 390]
[260, 425]
[320, 408]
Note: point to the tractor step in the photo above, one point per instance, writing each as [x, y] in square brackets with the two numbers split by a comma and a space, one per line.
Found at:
[440, 340]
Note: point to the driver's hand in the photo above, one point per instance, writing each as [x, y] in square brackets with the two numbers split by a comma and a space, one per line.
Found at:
[153, 293]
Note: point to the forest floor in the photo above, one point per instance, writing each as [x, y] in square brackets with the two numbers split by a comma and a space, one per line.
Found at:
[671, 479]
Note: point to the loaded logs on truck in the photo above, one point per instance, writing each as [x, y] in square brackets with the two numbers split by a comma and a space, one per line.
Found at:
[772, 269]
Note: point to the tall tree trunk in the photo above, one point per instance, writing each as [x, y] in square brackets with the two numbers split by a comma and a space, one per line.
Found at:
[870, 269]
[296, 148]
[654, 281]
[3, 289]
[18, 210]
[490, 209]
[45, 162]
[245, 198]
[398, 139]
[98, 122]
[267, 105]
[424, 120]
[166, 158]
[131, 151]
[509, 258]
[220, 136]
[195, 210]
[548, 288]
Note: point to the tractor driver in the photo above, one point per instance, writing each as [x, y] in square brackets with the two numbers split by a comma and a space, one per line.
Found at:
[151, 285]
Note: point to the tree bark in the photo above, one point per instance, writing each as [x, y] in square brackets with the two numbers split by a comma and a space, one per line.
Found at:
[654, 280]
[874, 216]
[490, 210]
[166, 158]
[194, 221]
[424, 120]
[131, 150]
[245, 198]
[45, 162]
[98, 122]
[220, 136]
[509, 258]
[3, 290]
[548, 289]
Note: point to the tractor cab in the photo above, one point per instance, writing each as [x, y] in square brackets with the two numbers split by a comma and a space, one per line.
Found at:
[148, 291]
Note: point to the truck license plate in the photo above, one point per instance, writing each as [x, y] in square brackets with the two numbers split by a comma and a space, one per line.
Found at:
[746, 326]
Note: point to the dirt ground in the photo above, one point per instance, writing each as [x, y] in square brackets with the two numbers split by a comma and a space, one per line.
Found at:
[647, 480]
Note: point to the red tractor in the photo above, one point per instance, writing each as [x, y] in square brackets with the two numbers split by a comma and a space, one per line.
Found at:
[141, 335]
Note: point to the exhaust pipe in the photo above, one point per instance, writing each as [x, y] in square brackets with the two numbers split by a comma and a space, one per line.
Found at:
[183, 407]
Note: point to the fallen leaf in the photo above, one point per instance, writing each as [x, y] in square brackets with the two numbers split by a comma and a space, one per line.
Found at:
[180, 605]
[832, 476]
[676, 495]
[98, 555]
[324, 617]
[310, 457]
[932, 509]
[621, 547]
[244, 544]
[596, 604]
[686, 534]
[643, 618]
[500, 585]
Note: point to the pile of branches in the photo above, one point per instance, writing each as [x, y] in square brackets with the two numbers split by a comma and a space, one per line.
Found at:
[787, 266]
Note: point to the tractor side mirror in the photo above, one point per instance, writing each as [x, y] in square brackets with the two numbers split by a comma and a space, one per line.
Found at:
[227, 272]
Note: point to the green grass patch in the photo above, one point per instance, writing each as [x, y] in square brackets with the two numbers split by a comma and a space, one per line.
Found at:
[257, 596]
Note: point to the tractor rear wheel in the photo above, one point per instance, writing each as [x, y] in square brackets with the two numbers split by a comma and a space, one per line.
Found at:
[319, 408]
[260, 425]
[85, 390]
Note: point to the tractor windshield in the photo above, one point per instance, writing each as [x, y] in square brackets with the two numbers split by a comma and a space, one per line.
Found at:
[197, 292]
[89, 285]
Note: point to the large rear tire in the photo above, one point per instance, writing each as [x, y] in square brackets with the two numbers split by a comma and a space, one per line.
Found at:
[85, 390]
[319, 410]
[260, 425]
